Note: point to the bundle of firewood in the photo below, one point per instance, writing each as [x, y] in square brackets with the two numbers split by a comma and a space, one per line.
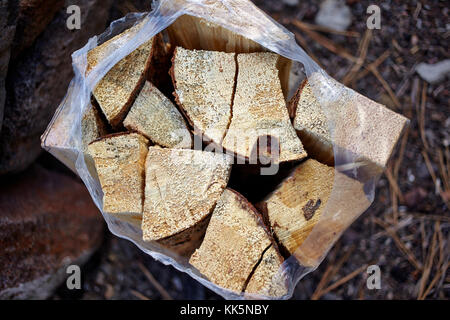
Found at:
[208, 84]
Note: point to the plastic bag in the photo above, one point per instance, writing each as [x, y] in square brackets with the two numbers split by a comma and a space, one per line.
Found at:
[63, 135]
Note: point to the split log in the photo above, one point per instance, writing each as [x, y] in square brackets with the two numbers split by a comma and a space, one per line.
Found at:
[356, 125]
[313, 198]
[192, 32]
[92, 126]
[204, 83]
[235, 241]
[181, 189]
[268, 278]
[117, 89]
[157, 118]
[259, 109]
[119, 159]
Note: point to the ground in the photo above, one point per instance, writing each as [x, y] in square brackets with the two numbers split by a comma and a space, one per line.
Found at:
[406, 230]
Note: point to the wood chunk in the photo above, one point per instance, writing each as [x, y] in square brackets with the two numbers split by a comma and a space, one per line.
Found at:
[204, 82]
[182, 186]
[92, 127]
[185, 242]
[367, 130]
[284, 209]
[234, 242]
[157, 118]
[345, 203]
[296, 209]
[196, 33]
[119, 160]
[117, 89]
[268, 278]
[192, 32]
[259, 109]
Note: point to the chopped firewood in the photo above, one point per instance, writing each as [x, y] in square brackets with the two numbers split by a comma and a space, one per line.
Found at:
[92, 126]
[365, 129]
[268, 279]
[296, 205]
[185, 242]
[313, 197]
[156, 117]
[204, 82]
[259, 110]
[196, 33]
[181, 188]
[234, 242]
[119, 159]
[117, 89]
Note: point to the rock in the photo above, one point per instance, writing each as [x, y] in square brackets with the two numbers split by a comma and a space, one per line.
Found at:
[292, 3]
[47, 221]
[7, 31]
[38, 82]
[434, 73]
[33, 17]
[334, 14]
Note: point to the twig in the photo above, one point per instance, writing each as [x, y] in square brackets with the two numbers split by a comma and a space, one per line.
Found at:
[385, 85]
[399, 243]
[401, 153]
[443, 170]
[363, 47]
[393, 183]
[325, 42]
[421, 115]
[139, 295]
[164, 294]
[400, 225]
[330, 273]
[374, 64]
[344, 279]
[434, 177]
[315, 27]
[428, 264]
[430, 216]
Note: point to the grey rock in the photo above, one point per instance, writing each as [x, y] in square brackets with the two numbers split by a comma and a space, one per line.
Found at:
[291, 3]
[8, 17]
[47, 222]
[434, 73]
[39, 81]
[334, 14]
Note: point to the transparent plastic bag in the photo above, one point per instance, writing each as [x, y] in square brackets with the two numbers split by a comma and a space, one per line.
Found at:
[346, 202]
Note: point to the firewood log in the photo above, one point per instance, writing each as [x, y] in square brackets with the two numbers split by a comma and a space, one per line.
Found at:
[268, 278]
[235, 241]
[204, 83]
[192, 32]
[181, 189]
[117, 89]
[156, 117]
[259, 109]
[350, 122]
[119, 159]
[313, 198]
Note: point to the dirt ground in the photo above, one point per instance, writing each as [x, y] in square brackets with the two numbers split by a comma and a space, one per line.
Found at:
[406, 230]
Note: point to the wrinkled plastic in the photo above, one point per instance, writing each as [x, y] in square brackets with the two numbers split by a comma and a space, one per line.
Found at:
[63, 136]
